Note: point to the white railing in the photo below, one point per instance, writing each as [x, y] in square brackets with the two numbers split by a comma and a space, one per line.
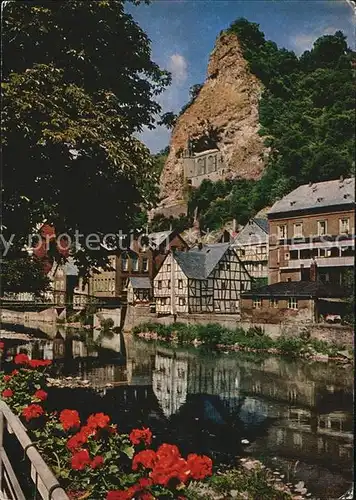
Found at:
[46, 485]
[321, 262]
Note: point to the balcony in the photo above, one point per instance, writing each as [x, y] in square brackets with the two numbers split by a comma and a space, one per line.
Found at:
[321, 262]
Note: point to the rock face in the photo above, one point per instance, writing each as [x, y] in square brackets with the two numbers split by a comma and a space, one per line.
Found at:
[228, 102]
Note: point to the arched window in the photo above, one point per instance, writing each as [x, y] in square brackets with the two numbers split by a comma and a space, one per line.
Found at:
[211, 163]
[201, 166]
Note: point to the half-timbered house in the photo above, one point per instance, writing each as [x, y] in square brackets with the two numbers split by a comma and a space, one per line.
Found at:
[205, 279]
[251, 245]
[139, 290]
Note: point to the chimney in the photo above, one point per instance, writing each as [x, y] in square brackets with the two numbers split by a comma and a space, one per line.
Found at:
[313, 271]
[234, 225]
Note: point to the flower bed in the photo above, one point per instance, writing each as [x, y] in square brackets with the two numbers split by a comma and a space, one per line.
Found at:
[92, 459]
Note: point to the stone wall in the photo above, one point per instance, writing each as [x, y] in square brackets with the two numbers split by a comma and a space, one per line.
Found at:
[330, 333]
[266, 313]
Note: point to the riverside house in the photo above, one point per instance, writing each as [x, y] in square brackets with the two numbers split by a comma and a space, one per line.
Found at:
[204, 279]
[313, 223]
[295, 302]
[251, 246]
[141, 260]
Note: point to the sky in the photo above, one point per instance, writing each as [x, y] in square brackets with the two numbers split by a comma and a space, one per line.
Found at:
[183, 33]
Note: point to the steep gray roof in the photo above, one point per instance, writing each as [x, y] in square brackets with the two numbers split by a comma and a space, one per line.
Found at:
[263, 223]
[319, 195]
[198, 264]
[253, 233]
[138, 282]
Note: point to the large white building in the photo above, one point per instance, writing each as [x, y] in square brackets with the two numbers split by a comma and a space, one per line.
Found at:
[204, 279]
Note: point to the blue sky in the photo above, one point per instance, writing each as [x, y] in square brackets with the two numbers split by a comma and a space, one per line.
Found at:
[183, 34]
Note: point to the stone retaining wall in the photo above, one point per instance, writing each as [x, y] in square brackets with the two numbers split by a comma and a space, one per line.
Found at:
[330, 333]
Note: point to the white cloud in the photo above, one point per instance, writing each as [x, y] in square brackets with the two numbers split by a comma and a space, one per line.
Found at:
[304, 41]
[178, 67]
[172, 99]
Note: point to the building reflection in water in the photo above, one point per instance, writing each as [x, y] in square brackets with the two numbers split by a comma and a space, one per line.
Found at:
[170, 382]
[286, 408]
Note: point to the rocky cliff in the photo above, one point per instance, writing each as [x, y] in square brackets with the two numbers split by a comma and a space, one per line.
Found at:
[228, 104]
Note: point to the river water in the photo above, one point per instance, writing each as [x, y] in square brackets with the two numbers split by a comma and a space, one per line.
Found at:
[297, 416]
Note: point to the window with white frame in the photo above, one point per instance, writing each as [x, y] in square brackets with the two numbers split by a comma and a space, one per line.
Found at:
[298, 229]
[159, 283]
[144, 264]
[180, 284]
[168, 268]
[282, 231]
[322, 227]
[257, 303]
[322, 252]
[292, 303]
[181, 301]
[273, 303]
[344, 225]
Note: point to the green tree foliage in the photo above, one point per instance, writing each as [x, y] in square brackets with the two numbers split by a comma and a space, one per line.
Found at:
[78, 82]
[162, 223]
[306, 111]
[24, 274]
[168, 120]
[307, 119]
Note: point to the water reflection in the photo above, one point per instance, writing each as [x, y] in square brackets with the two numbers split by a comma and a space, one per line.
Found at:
[293, 413]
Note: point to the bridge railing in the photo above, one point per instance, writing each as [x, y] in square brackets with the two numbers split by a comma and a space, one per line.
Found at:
[46, 486]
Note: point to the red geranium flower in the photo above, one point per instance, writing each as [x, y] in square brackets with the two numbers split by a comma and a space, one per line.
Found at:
[69, 419]
[170, 468]
[97, 462]
[2, 345]
[87, 431]
[119, 495]
[200, 466]
[144, 482]
[38, 363]
[138, 435]
[14, 373]
[146, 458]
[80, 460]
[145, 496]
[32, 411]
[168, 450]
[40, 394]
[7, 378]
[98, 420]
[21, 359]
[76, 442]
[7, 393]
